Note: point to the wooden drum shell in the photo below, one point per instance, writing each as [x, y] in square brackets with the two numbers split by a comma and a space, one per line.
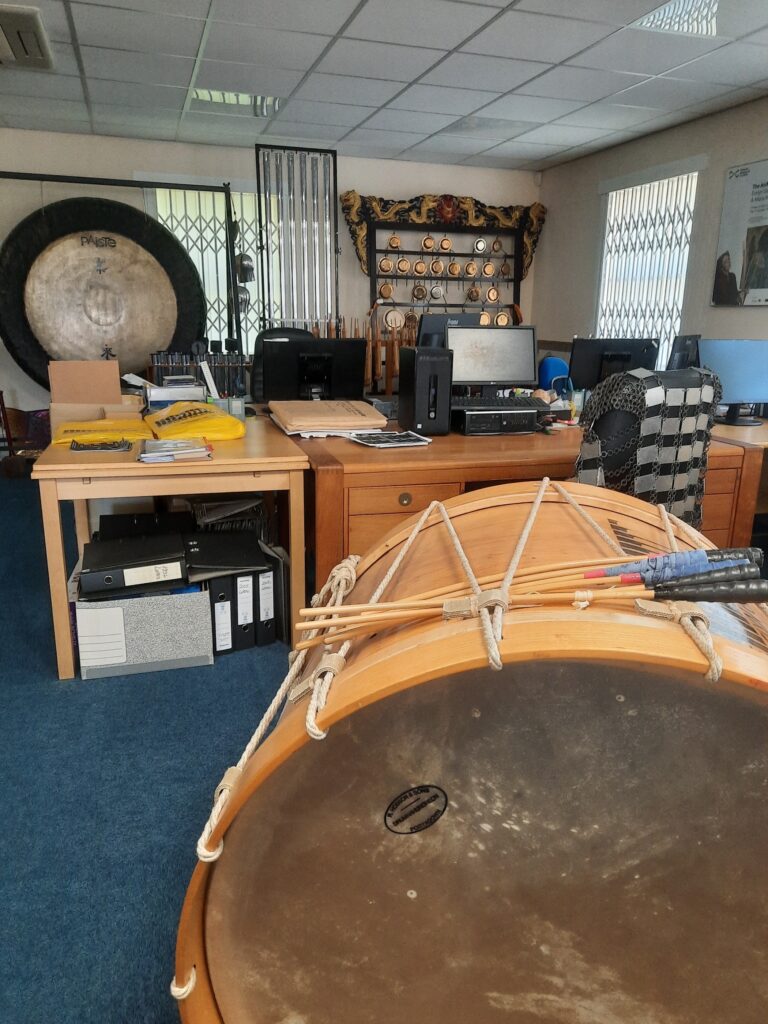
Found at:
[399, 659]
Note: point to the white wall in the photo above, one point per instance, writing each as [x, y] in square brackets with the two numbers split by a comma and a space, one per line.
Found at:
[568, 258]
[108, 157]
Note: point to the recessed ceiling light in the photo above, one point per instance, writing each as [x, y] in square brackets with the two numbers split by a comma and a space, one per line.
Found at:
[686, 17]
[262, 106]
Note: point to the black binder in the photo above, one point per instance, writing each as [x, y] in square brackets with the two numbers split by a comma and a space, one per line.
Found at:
[221, 595]
[111, 566]
[265, 622]
[218, 554]
[244, 608]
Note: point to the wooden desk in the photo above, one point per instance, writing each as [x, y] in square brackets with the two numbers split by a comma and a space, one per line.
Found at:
[264, 460]
[361, 493]
[750, 437]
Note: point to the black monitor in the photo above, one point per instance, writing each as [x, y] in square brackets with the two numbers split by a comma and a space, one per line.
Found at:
[742, 367]
[313, 368]
[501, 356]
[432, 326]
[594, 359]
[685, 352]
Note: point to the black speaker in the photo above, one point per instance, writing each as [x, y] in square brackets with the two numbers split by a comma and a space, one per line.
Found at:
[424, 404]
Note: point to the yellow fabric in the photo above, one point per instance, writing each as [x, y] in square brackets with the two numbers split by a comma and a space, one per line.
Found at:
[186, 420]
[101, 431]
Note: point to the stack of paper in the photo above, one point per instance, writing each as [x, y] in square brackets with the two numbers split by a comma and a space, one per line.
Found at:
[326, 417]
[175, 451]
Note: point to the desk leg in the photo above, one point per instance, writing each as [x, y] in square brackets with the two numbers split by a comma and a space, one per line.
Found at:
[296, 544]
[57, 578]
[82, 524]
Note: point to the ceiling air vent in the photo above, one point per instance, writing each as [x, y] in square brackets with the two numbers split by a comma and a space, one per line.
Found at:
[23, 42]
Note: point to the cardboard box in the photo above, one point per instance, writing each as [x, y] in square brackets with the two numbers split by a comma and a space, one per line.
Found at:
[141, 634]
[64, 412]
[85, 382]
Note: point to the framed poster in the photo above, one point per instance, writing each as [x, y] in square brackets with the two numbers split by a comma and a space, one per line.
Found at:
[741, 267]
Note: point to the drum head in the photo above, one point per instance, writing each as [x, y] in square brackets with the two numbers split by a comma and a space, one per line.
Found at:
[553, 843]
[85, 275]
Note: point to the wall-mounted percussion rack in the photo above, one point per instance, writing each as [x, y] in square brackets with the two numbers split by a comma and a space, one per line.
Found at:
[455, 287]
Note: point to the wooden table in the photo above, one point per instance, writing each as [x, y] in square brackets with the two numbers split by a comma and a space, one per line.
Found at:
[750, 437]
[361, 493]
[264, 460]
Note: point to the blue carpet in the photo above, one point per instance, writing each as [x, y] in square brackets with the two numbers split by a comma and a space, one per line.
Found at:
[106, 786]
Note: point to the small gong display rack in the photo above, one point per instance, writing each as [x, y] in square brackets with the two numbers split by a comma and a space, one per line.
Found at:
[436, 261]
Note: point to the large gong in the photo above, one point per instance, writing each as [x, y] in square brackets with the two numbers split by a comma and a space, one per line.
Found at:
[87, 278]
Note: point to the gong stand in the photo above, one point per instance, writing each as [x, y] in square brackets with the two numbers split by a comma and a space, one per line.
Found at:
[233, 310]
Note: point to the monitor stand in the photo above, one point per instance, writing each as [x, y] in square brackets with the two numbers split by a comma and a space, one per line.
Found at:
[733, 418]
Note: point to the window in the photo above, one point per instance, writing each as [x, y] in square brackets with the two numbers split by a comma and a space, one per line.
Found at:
[645, 256]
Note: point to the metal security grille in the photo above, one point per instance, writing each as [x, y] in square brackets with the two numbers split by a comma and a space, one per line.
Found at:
[645, 255]
[198, 220]
[299, 235]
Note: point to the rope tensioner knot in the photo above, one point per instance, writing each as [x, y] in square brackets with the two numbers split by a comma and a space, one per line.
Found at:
[325, 672]
[694, 622]
[182, 991]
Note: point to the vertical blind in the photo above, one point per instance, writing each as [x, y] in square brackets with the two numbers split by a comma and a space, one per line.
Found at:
[645, 256]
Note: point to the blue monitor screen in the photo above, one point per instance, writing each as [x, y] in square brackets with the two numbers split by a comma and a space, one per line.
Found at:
[742, 367]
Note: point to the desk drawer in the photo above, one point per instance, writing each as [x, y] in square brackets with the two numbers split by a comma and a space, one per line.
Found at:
[365, 531]
[716, 511]
[720, 481]
[408, 498]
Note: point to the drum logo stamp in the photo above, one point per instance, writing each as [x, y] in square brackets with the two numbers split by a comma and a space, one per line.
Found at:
[415, 809]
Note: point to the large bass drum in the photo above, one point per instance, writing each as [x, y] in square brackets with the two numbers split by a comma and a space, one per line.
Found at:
[577, 836]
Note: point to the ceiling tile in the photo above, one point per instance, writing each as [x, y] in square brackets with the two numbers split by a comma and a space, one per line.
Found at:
[386, 139]
[517, 34]
[508, 163]
[442, 100]
[759, 38]
[578, 83]
[134, 131]
[739, 17]
[491, 128]
[524, 150]
[47, 124]
[251, 44]
[494, 73]
[135, 30]
[117, 113]
[42, 106]
[669, 93]
[64, 60]
[131, 94]
[443, 159]
[189, 8]
[735, 64]
[309, 112]
[225, 122]
[36, 83]
[297, 130]
[452, 145]
[325, 18]
[644, 52]
[409, 121]
[371, 60]
[206, 136]
[563, 135]
[259, 81]
[530, 108]
[367, 151]
[54, 20]
[612, 12]
[609, 115]
[723, 102]
[443, 23]
[128, 66]
[342, 88]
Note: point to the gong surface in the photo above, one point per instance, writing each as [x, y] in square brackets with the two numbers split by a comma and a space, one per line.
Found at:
[86, 292]
[600, 859]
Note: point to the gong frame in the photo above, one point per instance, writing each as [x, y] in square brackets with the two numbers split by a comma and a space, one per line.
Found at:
[233, 309]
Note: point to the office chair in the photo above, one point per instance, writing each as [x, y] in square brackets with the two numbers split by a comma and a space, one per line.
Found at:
[257, 361]
[648, 433]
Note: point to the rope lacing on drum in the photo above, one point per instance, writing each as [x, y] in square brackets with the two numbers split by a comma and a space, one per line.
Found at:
[340, 581]
[182, 991]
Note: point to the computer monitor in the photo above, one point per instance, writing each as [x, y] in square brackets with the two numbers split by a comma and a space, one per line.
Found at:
[313, 368]
[432, 326]
[500, 356]
[742, 367]
[594, 359]
[685, 352]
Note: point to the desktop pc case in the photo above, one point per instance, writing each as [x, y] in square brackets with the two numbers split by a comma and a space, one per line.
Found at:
[425, 390]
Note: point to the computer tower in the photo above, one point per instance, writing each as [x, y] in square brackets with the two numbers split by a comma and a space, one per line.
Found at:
[425, 390]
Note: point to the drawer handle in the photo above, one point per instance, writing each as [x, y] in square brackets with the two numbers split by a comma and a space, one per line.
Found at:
[405, 499]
